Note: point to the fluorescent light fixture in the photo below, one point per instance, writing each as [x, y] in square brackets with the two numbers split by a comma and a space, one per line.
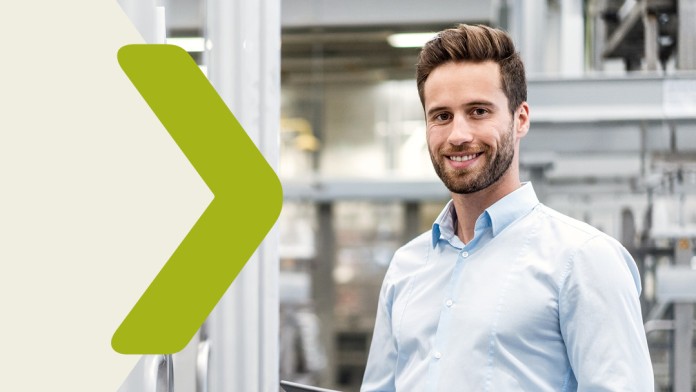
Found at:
[410, 40]
[189, 44]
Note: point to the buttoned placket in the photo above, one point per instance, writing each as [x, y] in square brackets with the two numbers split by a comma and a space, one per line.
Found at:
[448, 307]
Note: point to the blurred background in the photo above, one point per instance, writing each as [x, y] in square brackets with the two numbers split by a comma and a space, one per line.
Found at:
[612, 95]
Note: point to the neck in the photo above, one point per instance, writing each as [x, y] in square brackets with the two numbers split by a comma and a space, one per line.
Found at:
[469, 207]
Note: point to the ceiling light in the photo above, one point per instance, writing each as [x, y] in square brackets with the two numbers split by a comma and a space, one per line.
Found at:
[189, 44]
[410, 40]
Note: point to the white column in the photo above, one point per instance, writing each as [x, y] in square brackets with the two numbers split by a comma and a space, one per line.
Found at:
[244, 66]
[686, 39]
[528, 26]
[550, 37]
[146, 18]
[572, 42]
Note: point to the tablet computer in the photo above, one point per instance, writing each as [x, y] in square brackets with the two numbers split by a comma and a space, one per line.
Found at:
[295, 387]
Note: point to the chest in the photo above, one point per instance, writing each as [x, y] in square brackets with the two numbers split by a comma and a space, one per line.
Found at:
[504, 292]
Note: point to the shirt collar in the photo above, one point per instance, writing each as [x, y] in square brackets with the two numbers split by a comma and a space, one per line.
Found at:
[501, 214]
[444, 224]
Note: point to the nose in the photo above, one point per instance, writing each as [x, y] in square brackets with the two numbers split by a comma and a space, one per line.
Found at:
[460, 133]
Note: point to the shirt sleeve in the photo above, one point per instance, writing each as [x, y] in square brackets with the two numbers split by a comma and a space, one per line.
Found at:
[600, 319]
[381, 362]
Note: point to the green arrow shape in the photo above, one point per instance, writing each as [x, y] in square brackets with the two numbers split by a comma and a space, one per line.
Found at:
[247, 201]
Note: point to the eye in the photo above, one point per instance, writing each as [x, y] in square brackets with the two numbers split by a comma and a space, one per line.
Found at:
[479, 112]
[441, 117]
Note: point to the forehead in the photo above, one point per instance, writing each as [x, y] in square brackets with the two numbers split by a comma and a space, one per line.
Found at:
[463, 80]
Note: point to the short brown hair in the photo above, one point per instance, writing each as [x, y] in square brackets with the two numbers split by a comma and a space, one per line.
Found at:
[475, 43]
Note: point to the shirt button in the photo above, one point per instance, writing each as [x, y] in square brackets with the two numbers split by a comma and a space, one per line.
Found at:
[449, 303]
[437, 355]
[465, 254]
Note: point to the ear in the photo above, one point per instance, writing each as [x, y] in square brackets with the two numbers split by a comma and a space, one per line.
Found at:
[521, 116]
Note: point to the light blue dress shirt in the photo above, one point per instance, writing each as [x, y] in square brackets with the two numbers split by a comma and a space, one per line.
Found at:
[537, 301]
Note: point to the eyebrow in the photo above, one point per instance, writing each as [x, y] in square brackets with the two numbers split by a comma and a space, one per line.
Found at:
[468, 104]
[481, 103]
[435, 109]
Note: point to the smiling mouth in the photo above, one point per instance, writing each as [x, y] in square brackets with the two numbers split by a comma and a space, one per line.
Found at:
[463, 158]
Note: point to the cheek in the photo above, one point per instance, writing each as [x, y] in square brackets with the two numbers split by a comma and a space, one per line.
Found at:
[435, 135]
[490, 139]
[430, 138]
[501, 135]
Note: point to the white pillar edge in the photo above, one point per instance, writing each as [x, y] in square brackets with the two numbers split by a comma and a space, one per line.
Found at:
[244, 66]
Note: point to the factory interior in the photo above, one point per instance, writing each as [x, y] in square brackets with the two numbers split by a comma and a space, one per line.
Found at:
[612, 96]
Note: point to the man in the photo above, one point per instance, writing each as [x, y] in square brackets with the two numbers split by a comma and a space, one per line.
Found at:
[504, 293]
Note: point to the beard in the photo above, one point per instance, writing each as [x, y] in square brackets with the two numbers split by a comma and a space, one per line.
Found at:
[465, 181]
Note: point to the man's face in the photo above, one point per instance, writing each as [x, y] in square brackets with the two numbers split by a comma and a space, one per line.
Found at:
[472, 137]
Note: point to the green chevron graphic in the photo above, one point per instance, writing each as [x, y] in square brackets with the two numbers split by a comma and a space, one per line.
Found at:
[247, 202]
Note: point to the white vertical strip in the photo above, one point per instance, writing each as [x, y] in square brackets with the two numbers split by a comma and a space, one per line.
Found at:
[553, 50]
[686, 37]
[572, 46]
[143, 15]
[528, 26]
[244, 66]
[269, 143]
[161, 26]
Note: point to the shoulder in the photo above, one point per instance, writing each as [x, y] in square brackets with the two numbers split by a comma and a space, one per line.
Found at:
[587, 251]
[422, 242]
[567, 235]
[418, 247]
[411, 256]
[573, 231]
